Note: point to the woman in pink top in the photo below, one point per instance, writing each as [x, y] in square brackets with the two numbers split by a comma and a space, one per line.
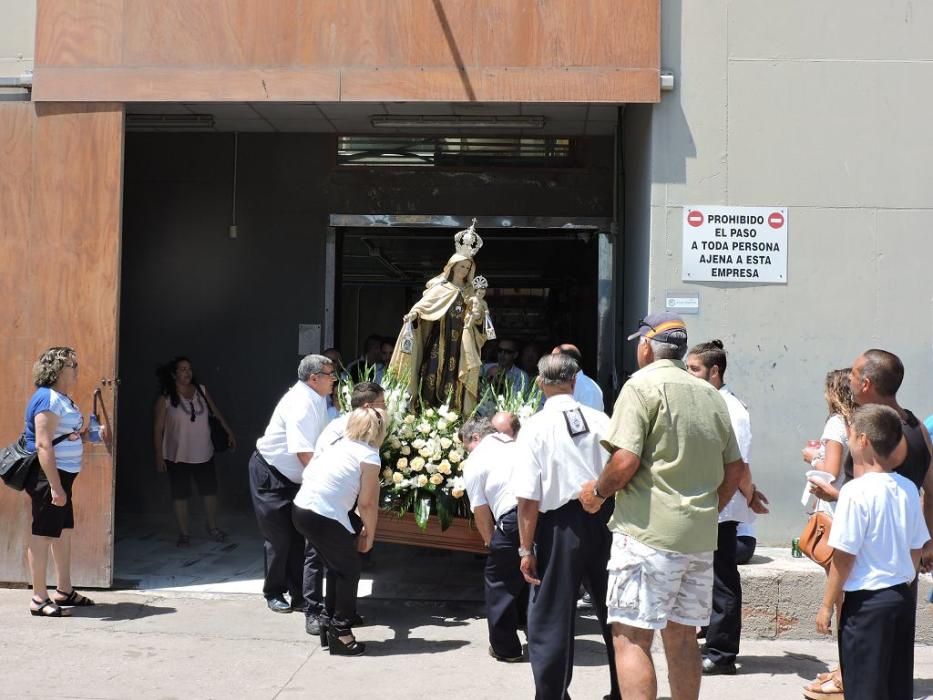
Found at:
[182, 441]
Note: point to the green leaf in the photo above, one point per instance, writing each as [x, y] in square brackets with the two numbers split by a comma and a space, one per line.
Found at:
[422, 510]
[444, 510]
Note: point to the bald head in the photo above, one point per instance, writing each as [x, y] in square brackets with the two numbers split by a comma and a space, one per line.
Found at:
[507, 423]
[571, 351]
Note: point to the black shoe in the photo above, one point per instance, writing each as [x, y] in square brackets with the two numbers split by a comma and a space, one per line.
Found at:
[313, 625]
[338, 648]
[585, 602]
[710, 668]
[278, 604]
[298, 605]
[507, 659]
[357, 621]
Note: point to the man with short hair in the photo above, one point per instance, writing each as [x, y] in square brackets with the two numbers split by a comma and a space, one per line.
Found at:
[506, 423]
[674, 464]
[364, 395]
[275, 470]
[707, 361]
[369, 366]
[487, 473]
[504, 372]
[586, 391]
[560, 543]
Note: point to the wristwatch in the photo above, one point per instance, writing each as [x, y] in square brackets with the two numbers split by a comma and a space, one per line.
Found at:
[598, 494]
[523, 552]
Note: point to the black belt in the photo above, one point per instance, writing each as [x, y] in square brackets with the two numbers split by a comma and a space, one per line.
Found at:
[272, 469]
[506, 513]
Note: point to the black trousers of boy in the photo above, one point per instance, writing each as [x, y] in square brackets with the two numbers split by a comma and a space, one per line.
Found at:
[506, 589]
[336, 546]
[570, 544]
[876, 643]
[725, 623]
[313, 582]
[272, 500]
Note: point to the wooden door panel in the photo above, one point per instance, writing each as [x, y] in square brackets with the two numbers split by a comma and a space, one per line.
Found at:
[60, 271]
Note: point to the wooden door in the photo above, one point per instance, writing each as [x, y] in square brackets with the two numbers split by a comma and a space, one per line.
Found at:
[60, 202]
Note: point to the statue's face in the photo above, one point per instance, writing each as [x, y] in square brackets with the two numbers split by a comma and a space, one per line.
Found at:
[459, 271]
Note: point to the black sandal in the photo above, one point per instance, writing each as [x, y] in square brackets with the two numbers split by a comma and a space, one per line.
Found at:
[46, 609]
[73, 600]
[216, 534]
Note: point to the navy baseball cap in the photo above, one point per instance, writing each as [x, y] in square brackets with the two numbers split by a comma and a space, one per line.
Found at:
[664, 327]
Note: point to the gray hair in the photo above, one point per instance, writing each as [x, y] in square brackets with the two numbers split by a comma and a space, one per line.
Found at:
[557, 369]
[51, 363]
[479, 425]
[312, 364]
[667, 351]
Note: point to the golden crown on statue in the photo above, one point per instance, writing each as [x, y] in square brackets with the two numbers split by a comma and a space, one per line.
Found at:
[467, 242]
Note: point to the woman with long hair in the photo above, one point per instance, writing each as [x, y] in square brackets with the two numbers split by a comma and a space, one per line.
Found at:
[182, 442]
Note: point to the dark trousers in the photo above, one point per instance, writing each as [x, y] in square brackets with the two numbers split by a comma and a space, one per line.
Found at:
[570, 544]
[313, 581]
[336, 547]
[744, 548]
[725, 623]
[272, 500]
[876, 644]
[506, 589]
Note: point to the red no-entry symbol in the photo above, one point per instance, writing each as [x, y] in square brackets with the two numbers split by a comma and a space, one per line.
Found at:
[776, 220]
[695, 218]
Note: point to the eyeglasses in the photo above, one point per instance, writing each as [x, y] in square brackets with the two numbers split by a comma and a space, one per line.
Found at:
[326, 374]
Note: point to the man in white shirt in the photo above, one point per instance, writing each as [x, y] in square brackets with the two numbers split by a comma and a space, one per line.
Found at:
[275, 470]
[487, 474]
[585, 391]
[364, 395]
[504, 371]
[708, 361]
[560, 543]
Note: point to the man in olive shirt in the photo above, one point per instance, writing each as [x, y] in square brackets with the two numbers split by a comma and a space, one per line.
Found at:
[675, 463]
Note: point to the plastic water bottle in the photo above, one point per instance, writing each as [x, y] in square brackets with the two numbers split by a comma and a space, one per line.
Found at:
[93, 431]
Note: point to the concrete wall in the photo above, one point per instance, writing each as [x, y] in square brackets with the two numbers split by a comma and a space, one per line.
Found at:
[234, 305]
[822, 108]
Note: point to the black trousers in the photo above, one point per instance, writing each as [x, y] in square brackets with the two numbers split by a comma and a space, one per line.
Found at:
[725, 623]
[272, 496]
[571, 544]
[336, 547]
[506, 589]
[313, 581]
[876, 643]
[744, 548]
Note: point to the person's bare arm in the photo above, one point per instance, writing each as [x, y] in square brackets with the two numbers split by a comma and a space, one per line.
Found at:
[839, 571]
[527, 524]
[158, 431]
[368, 505]
[485, 523]
[615, 476]
[926, 557]
[46, 422]
[304, 457]
[231, 438]
[732, 474]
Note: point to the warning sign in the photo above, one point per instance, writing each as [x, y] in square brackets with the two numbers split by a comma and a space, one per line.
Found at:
[735, 244]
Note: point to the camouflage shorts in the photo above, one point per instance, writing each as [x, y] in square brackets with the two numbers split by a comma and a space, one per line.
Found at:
[648, 586]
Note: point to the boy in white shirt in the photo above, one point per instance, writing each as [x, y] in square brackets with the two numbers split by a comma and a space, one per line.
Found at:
[878, 532]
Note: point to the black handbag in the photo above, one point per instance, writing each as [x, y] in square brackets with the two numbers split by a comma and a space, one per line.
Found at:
[218, 432]
[16, 464]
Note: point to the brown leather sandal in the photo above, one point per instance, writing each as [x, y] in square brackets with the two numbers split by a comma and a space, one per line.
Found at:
[827, 686]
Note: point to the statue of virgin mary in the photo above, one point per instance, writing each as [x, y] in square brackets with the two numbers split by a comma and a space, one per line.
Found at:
[439, 346]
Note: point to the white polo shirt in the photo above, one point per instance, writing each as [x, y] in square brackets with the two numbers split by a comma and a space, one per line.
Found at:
[737, 508]
[296, 424]
[487, 473]
[551, 465]
[587, 392]
[332, 432]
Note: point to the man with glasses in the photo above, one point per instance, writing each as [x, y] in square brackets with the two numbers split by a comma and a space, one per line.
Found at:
[504, 371]
[275, 471]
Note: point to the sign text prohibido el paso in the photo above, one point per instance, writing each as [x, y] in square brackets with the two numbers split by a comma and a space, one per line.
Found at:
[735, 244]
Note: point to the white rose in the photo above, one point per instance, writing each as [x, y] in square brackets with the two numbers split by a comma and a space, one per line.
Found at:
[455, 456]
[406, 450]
[425, 452]
[386, 455]
[386, 473]
[395, 443]
[452, 416]
[446, 443]
[424, 428]
[397, 478]
[402, 463]
[417, 464]
[430, 468]
[456, 493]
[444, 467]
[409, 419]
[422, 480]
[441, 424]
[418, 443]
[437, 479]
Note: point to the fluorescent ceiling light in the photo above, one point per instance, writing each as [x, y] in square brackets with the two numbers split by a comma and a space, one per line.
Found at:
[456, 122]
[169, 122]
